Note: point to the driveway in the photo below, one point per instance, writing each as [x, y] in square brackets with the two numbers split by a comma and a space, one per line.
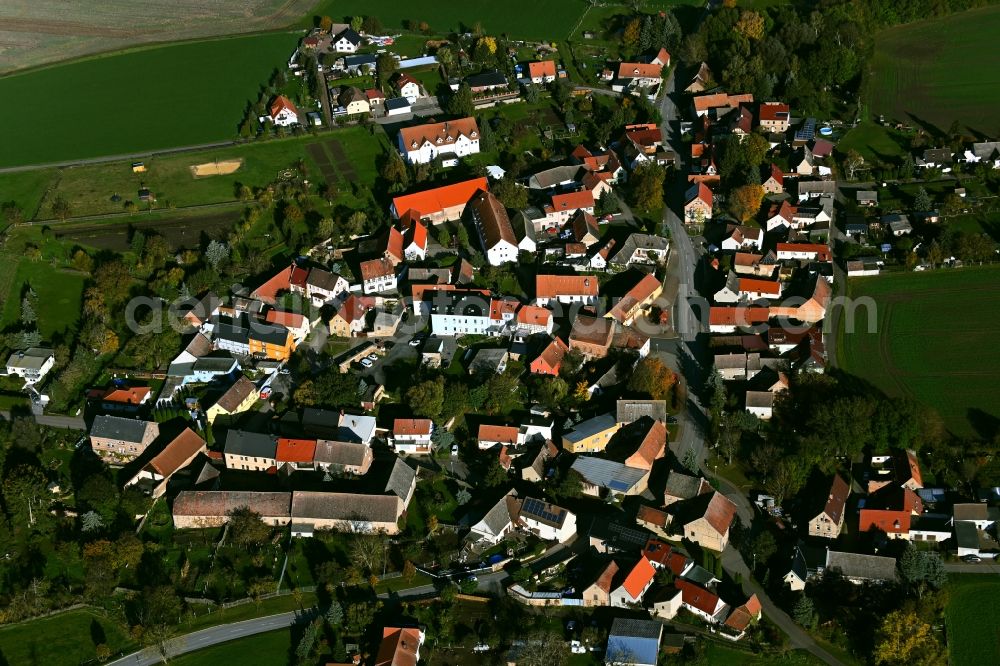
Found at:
[213, 636]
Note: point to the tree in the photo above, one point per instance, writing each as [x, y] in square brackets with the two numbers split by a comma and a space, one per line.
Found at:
[750, 25]
[510, 193]
[28, 303]
[551, 391]
[395, 173]
[853, 162]
[463, 497]
[904, 638]
[935, 254]
[495, 474]
[335, 614]
[444, 237]
[369, 551]
[307, 643]
[804, 612]
[326, 24]
[61, 208]
[785, 480]
[427, 398]
[647, 186]
[633, 31]
[247, 529]
[744, 202]
[409, 570]
[217, 254]
[446, 57]
[357, 22]
[543, 648]
[360, 615]
[11, 212]
[690, 461]
[652, 377]
[922, 568]
[460, 104]
[462, 236]
[922, 200]
[386, 66]
[569, 486]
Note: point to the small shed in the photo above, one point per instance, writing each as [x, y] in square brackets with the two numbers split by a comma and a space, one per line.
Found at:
[138, 167]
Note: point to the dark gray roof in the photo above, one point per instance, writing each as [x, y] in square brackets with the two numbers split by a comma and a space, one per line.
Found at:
[330, 452]
[397, 103]
[857, 565]
[350, 35]
[400, 480]
[493, 78]
[966, 535]
[608, 474]
[257, 445]
[639, 242]
[119, 428]
[360, 59]
[487, 360]
[501, 514]
[632, 410]
[590, 427]
[322, 279]
[549, 178]
[682, 485]
[636, 628]
[344, 506]
[221, 361]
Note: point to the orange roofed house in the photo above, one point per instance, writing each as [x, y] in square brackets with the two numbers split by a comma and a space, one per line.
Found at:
[635, 585]
[563, 206]
[399, 647]
[282, 112]
[566, 289]
[440, 204]
[153, 475]
[774, 117]
[541, 72]
[412, 436]
[698, 204]
[421, 144]
[550, 360]
[124, 399]
[296, 453]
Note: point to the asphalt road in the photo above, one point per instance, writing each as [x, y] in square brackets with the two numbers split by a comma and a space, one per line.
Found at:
[212, 636]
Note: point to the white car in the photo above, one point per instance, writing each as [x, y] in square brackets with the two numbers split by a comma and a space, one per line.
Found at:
[415, 342]
[454, 450]
[482, 647]
[372, 357]
[365, 362]
[577, 648]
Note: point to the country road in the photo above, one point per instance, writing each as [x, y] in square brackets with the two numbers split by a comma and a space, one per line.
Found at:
[213, 636]
[117, 158]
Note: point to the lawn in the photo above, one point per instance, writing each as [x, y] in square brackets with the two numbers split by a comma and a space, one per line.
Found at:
[973, 618]
[89, 188]
[270, 649]
[60, 295]
[717, 654]
[25, 189]
[932, 334]
[937, 71]
[67, 639]
[875, 143]
[145, 99]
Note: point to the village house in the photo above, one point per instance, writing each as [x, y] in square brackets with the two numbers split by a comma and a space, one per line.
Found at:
[488, 81]
[642, 249]
[634, 642]
[378, 276]
[701, 601]
[775, 181]
[499, 522]
[718, 104]
[602, 477]
[859, 568]
[534, 319]
[757, 265]
[592, 435]
[400, 646]
[204, 509]
[422, 144]
[747, 290]
[550, 359]
[31, 364]
[565, 289]
[541, 72]
[743, 238]
[547, 521]
[830, 520]
[297, 324]
[120, 440]
[592, 336]
[412, 436]
[250, 451]
[409, 88]
[349, 319]
[731, 319]
[774, 117]
[682, 487]
[496, 235]
[324, 287]
[354, 101]
[342, 457]
[152, 476]
[635, 302]
[632, 590]
[706, 520]
[564, 206]
[238, 398]
[698, 204]
[804, 252]
[702, 79]
[440, 204]
[598, 593]
[282, 112]
[347, 41]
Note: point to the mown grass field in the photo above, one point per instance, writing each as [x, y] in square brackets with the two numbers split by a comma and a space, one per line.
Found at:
[933, 341]
[140, 100]
[89, 188]
[60, 295]
[973, 619]
[875, 142]
[940, 71]
[271, 649]
[67, 639]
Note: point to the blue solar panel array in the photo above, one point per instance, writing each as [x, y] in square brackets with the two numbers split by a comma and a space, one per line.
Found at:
[538, 508]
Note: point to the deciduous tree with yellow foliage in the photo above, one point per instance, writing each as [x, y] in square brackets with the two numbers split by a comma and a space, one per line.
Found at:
[744, 202]
[906, 639]
[751, 25]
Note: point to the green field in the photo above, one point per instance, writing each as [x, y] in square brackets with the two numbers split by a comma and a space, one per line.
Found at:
[940, 71]
[875, 142]
[933, 341]
[59, 297]
[139, 100]
[89, 188]
[270, 649]
[973, 617]
[67, 639]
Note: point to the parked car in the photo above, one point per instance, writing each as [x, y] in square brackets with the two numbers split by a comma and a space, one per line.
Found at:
[577, 648]
[367, 363]
[454, 450]
[372, 357]
[971, 559]
[481, 647]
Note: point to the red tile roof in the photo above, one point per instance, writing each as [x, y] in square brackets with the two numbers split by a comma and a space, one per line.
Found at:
[888, 521]
[778, 175]
[296, 450]
[376, 268]
[493, 219]
[720, 512]
[281, 102]
[638, 294]
[505, 460]
[704, 194]
[439, 134]
[541, 68]
[497, 433]
[553, 286]
[417, 234]
[773, 111]
[533, 315]
[697, 596]
[286, 319]
[719, 100]
[573, 200]
[435, 200]
[411, 427]
[821, 251]
[639, 70]
[639, 578]
[354, 308]
[399, 647]
[651, 448]
[648, 514]
[133, 395]
[550, 360]
[738, 316]
[394, 244]
[607, 576]
[760, 286]
[839, 490]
